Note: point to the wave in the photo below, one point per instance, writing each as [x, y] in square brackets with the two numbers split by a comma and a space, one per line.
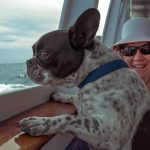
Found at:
[5, 88]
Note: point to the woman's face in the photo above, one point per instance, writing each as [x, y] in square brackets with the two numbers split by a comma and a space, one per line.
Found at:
[139, 62]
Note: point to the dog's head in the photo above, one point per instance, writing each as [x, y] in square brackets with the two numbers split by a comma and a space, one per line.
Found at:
[58, 55]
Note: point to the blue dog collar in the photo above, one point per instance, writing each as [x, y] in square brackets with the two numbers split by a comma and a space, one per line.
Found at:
[103, 70]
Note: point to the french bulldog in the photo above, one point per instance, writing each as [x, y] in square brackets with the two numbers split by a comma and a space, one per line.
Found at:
[109, 108]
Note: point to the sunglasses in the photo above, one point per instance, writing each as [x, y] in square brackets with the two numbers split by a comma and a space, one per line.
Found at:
[132, 50]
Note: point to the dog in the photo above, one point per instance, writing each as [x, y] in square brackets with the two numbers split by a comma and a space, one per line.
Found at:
[109, 108]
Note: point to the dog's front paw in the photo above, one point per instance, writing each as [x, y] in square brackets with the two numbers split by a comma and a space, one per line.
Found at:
[55, 96]
[34, 126]
[63, 97]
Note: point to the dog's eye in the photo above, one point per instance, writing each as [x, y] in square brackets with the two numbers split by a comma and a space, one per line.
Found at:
[43, 54]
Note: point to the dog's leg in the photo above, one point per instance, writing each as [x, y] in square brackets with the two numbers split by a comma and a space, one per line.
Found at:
[64, 97]
[89, 129]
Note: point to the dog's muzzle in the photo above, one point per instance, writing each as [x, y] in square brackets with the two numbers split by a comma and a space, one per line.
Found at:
[34, 71]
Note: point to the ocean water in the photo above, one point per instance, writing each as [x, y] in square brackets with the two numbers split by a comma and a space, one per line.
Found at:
[13, 77]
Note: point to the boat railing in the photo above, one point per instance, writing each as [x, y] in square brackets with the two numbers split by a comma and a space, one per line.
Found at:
[12, 138]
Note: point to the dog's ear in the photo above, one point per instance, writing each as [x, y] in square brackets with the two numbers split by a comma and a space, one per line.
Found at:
[82, 33]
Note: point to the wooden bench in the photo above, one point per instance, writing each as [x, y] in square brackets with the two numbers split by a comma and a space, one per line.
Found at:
[11, 138]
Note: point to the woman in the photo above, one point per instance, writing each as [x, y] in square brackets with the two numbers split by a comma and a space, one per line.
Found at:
[134, 47]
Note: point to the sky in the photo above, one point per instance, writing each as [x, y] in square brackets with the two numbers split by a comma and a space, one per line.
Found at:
[22, 22]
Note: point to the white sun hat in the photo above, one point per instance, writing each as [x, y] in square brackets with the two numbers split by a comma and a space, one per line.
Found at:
[134, 30]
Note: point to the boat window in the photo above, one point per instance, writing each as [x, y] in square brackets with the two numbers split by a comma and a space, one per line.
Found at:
[21, 23]
[103, 6]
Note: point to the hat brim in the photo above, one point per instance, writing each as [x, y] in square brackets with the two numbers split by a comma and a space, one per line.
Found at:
[128, 40]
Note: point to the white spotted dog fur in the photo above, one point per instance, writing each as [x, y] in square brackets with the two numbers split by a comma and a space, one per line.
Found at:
[109, 109]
